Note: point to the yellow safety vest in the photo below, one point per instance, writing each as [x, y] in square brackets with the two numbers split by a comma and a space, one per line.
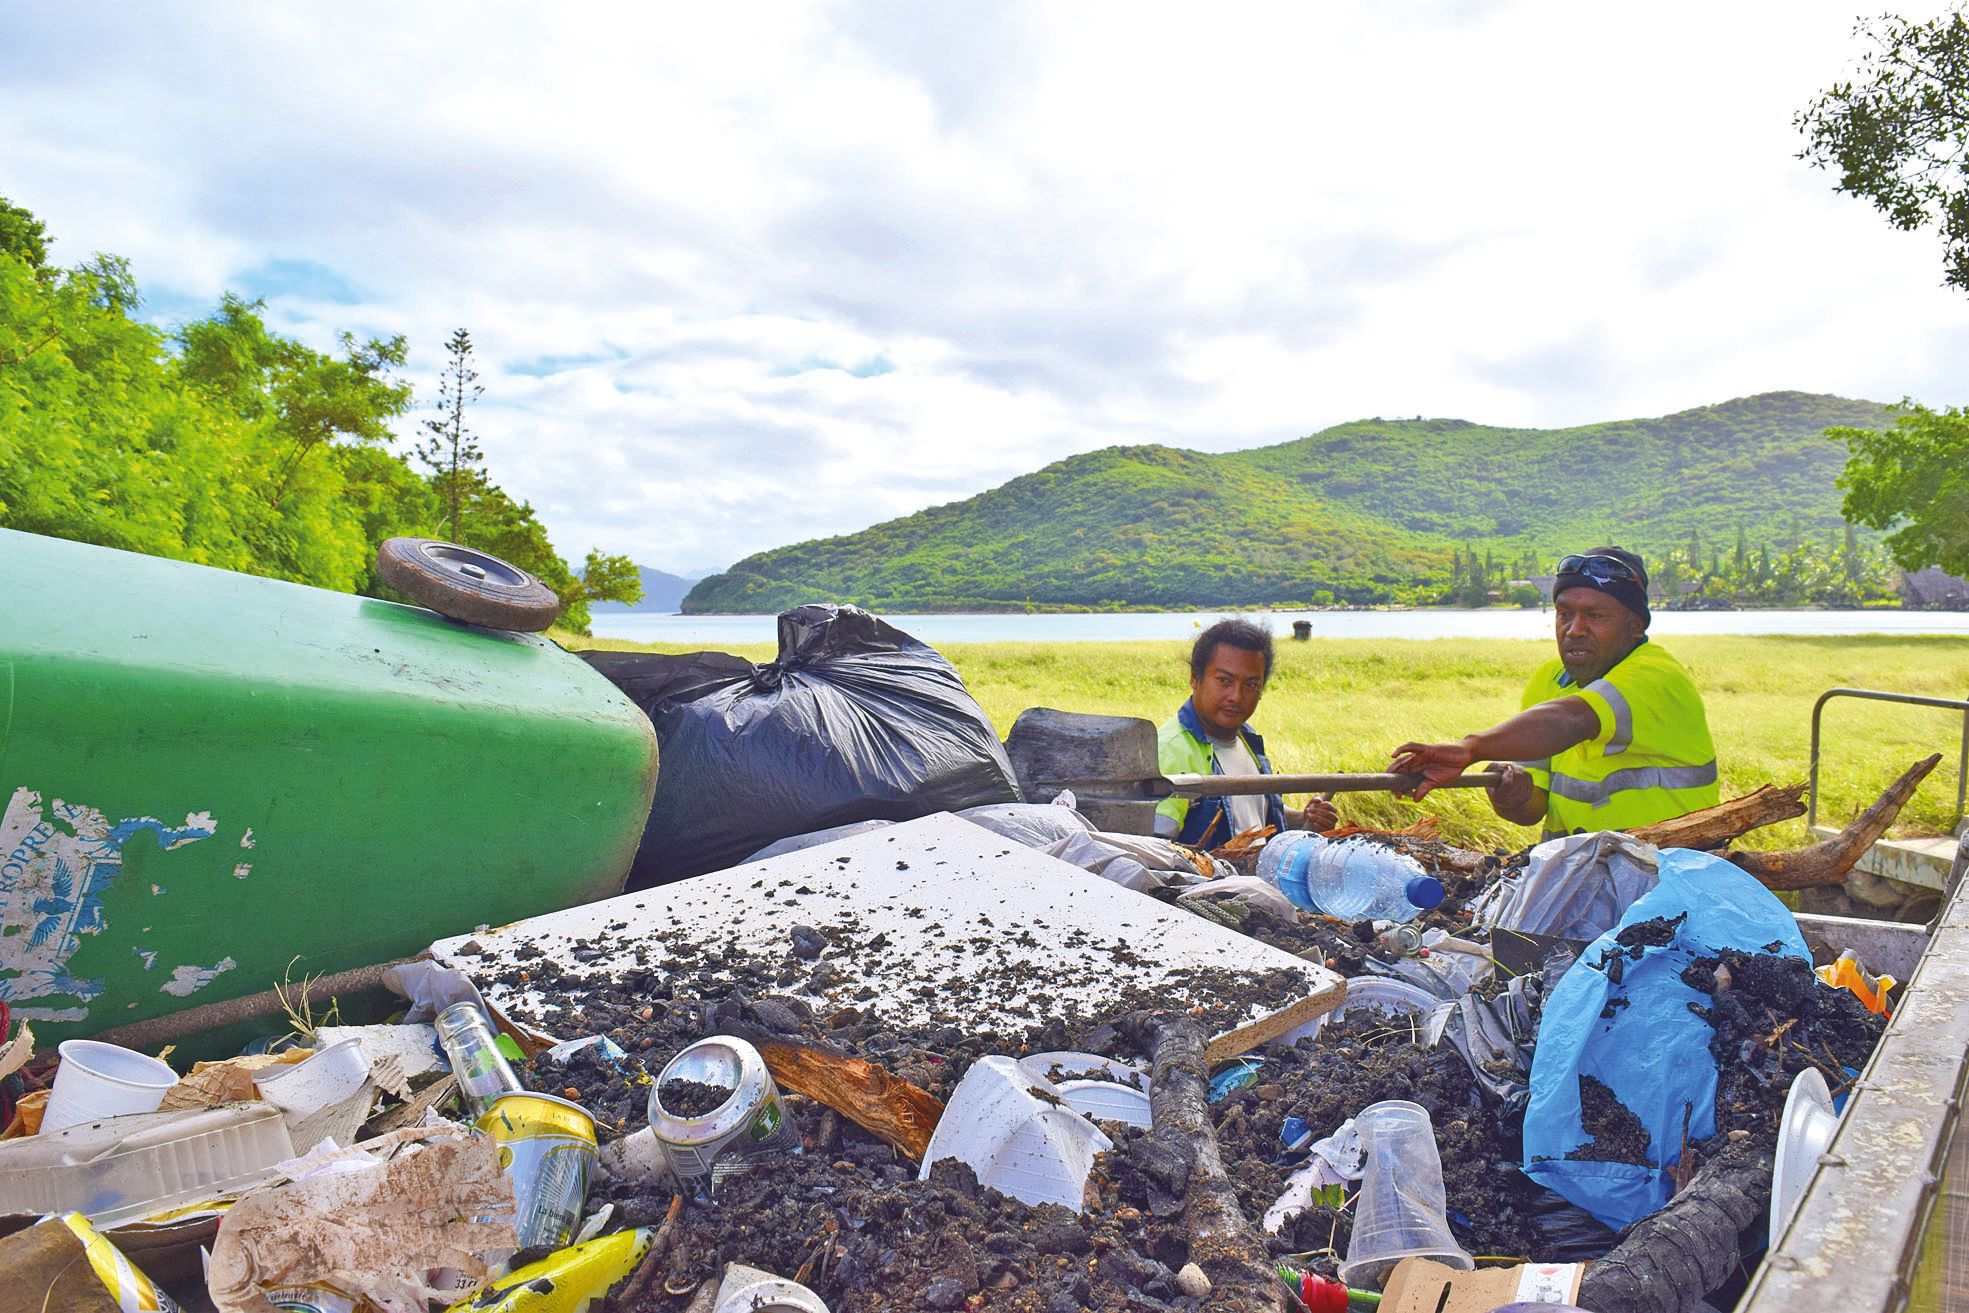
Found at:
[1651, 758]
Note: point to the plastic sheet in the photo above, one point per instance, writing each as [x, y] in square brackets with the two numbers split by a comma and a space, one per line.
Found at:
[1496, 1038]
[1621, 1015]
[855, 721]
[1034, 824]
[1574, 887]
[1132, 861]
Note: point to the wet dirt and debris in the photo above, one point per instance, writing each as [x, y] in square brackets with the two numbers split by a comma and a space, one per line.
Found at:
[1773, 1020]
[690, 1098]
[848, 1217]
[1616, 1134]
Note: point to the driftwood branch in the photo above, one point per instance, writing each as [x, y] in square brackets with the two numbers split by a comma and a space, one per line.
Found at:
[1829, 862]
[872, 1097]
[1671, 1259]
[1712, 827]
[1222, 1242]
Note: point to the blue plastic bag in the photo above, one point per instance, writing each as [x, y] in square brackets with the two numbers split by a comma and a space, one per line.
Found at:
[1652, 1052]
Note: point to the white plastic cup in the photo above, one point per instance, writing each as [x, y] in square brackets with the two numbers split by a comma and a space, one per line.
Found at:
[98, 1080]
[308, 1086]
[753, 1290]
[637, 1157]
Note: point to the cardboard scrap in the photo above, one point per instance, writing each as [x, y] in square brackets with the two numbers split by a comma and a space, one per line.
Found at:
[1422, 1285]
[48, 1268]
[27, 1115]
[230, 1081]
[373, 1230]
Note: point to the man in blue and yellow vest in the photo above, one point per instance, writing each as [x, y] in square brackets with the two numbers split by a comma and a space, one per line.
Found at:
[1612, 734]
[1210, 735]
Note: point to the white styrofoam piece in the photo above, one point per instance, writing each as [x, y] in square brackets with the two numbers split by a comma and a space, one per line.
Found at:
[1009, 1126]
[929, 917]
[414, 1045]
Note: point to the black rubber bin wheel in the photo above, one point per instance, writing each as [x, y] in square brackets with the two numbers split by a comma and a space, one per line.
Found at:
[464, 584]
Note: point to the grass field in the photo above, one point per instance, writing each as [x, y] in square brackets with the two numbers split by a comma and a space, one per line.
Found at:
[1344, 704]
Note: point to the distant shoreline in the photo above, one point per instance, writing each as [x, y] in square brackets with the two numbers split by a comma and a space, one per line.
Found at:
[1284, 608]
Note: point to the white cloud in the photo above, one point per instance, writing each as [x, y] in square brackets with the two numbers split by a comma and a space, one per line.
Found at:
[745, 275]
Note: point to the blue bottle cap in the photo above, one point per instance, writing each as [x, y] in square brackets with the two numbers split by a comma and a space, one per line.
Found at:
[1425, 891]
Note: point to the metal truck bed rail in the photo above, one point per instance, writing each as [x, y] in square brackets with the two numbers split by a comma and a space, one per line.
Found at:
[1884, 1224]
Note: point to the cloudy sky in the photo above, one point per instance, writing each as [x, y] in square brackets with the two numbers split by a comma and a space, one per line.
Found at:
[741, 275]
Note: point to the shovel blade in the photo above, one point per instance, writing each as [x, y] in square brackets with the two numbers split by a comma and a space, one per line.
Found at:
[1108, 761]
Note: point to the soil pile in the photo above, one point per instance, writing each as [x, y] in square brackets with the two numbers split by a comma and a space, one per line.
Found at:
[849, 1218]
[1773, 1019]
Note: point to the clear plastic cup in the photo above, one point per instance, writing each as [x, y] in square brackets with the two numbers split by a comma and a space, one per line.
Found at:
[1399, 1213]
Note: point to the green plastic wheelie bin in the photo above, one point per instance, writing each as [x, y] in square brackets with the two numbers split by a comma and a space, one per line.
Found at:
[211, 782]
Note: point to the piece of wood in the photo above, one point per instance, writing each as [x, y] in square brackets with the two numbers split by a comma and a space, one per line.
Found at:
[1829, 862]
[1712, 827]
[411, 1111]
[1670, 1259]
[1235, 786]
[933, 922]
[1222, 1241]
[654, 1261]
[872, 1097]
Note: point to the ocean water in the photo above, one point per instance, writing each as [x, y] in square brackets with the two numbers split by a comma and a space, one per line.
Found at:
[716, 631]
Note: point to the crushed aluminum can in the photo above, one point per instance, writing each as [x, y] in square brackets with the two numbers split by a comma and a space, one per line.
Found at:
[753, 1121]
[547, 1146]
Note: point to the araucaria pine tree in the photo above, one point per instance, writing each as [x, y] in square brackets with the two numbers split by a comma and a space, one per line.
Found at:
[452, 450]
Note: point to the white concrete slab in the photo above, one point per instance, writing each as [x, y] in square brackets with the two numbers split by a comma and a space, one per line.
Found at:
[934, 921]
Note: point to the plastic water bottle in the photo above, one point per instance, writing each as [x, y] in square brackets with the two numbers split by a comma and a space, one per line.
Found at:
[1351, 879]
[1273, 857]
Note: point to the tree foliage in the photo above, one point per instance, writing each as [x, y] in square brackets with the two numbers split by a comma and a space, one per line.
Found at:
[223, 443]
[1913, 480]
[1898, 133]
[23, 236]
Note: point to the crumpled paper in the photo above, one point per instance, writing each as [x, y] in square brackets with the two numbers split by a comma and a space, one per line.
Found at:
[375, 1230]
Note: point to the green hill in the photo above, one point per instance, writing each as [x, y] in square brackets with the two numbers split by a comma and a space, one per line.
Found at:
[1368, 511]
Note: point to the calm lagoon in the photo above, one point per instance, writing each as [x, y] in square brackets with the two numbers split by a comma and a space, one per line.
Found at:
[716, 631]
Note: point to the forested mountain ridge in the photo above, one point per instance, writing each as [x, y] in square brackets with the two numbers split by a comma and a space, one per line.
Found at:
[1368, 511]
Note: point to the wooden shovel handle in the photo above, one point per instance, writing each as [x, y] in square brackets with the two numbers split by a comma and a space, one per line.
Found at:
[1237, 786]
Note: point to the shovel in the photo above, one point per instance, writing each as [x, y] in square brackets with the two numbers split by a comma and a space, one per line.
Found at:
[1110, 763]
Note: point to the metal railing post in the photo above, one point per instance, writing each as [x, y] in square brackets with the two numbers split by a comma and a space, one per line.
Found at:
[1905, 699]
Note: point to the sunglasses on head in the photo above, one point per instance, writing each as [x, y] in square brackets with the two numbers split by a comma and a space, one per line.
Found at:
[1601, 569]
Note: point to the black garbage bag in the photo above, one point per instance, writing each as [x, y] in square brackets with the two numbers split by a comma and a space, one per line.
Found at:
[855, 721]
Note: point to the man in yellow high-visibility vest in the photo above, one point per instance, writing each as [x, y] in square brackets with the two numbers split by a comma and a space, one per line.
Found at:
[1612, 734]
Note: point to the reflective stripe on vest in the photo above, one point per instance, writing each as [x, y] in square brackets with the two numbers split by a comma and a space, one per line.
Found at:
[1597, 792]
[1623, 721]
